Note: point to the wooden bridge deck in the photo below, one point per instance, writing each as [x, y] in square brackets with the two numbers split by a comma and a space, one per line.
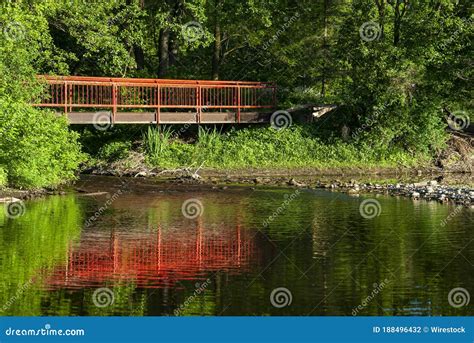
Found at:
[91, 100]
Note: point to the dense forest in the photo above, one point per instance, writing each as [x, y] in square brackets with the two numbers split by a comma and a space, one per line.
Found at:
[399, 72]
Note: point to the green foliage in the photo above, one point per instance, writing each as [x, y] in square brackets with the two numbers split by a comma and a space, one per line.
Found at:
[156, 141]
[114, 151]
[391, 90]
[36, 147]
[266, 147]
[3, 177]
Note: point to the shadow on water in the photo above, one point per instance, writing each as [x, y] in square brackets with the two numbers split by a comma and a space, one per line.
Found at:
[137, 250]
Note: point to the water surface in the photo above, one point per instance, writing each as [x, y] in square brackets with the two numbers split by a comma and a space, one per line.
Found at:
[264, 251]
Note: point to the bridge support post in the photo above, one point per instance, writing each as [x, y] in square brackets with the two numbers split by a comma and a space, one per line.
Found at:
[158, 104]
[65, 97]
[114, 102]
[238, 104]
[199, 106]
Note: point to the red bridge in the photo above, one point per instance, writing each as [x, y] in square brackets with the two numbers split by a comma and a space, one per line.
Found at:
[90, 100]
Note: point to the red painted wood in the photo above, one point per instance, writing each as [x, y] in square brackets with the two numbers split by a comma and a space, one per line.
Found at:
[84, 92]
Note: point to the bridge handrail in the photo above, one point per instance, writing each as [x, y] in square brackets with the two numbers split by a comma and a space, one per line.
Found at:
[76, 92]
[134, 81]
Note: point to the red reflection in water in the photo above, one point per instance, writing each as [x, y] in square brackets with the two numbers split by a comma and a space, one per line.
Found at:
[154, 259]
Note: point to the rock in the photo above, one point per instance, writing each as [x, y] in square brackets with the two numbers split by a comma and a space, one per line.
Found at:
[93, 194]
[9, 199]
[293, 182]
[420, 184]
[141, 174]
[429, 189]
[415, 195]
[195, 176]
[433, 183]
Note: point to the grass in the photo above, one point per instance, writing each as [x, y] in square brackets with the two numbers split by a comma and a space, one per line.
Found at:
[256, 147]
[157, 141]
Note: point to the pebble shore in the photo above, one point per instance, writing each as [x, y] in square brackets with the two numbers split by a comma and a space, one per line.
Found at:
[430, 190]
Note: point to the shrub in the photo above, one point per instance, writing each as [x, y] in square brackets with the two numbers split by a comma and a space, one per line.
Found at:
[36, 147]
[114, 151]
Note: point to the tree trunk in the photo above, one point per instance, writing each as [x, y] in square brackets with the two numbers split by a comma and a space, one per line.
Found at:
[139, 57]
[164, 53]
[217, 51]
[173, 49]
[325, 42]
[381, 9]
[397, 24]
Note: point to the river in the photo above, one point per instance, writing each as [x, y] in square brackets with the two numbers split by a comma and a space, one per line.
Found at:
[144, 248]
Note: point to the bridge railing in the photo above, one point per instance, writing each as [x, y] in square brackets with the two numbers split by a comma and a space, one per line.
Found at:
[72, 93]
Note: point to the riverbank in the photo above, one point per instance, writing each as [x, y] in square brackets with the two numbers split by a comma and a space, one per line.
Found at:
[445, 188]
[266, 153]
[448, 188]
[7, 194]
[449, 179]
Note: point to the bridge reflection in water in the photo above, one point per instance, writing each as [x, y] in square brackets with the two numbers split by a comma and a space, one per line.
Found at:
[156, 258]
